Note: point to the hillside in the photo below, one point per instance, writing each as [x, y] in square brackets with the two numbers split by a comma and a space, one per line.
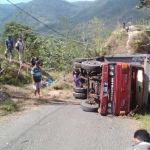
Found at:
[50, 12]
[111, 12]
[136, 40]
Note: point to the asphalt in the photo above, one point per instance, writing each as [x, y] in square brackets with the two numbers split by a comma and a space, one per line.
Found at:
[66, 127]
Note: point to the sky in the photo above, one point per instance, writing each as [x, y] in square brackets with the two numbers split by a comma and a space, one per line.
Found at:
[18, 1]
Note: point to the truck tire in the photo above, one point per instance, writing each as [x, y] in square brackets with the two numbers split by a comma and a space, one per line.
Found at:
[79, 90]
[78, 65]
[91, 65]
[88, 107]
[80, 60]
[80, 95]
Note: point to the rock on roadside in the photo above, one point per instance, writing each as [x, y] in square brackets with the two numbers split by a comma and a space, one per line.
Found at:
[4, 97]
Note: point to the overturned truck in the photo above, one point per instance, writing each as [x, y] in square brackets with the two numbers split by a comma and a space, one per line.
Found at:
[116, 85]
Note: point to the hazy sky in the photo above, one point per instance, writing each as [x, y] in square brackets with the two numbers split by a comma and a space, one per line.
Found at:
[18, 1]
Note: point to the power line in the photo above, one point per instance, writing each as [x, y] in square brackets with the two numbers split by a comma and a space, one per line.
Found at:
[45, 24]
[40, 33]
[37, 19]
[14, 27]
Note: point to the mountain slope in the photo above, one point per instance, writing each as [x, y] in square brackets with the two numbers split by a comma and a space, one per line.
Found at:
[47, 11]
[111, 11]
[135, 41]
[50, 11]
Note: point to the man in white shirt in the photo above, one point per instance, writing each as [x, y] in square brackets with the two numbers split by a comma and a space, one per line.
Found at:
[20, 46]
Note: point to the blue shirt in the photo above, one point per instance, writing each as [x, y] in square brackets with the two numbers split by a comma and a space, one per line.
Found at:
[36, 72]
[9, 44]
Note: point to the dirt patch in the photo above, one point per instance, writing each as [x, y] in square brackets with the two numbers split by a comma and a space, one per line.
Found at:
[27, 105]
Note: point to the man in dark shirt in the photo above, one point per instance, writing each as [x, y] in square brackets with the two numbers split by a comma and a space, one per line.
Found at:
[36, 78]
[9, 46]
[76, 73]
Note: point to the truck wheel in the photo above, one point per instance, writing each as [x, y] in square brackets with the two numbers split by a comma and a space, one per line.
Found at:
[89, 107]
[91, 65]
[80, 95]
[80, 60]
[78, 65]
[79, 90]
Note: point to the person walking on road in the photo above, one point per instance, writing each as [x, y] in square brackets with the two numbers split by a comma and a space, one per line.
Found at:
[20, 46]
[36, 78]
[9, 47]
[141, 140]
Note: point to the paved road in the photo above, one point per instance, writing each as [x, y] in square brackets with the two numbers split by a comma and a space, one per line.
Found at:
[65, 127]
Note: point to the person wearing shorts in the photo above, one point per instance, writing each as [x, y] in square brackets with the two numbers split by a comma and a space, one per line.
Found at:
[36, 78]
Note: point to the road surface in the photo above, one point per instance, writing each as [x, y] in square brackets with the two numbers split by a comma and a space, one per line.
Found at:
[65, 127]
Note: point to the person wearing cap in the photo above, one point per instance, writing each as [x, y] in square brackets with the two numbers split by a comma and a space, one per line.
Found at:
[76, 73]
[36, 78]
[141, 140]
[9, 47]
[20, 46]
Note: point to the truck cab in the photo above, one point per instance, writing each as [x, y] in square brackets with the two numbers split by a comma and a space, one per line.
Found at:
[122, 88]
[116, 85]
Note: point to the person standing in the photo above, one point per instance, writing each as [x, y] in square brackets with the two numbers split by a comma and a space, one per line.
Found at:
[20, 46]
[124, 25]
[9, 47]
[36, 78]
[76, 73]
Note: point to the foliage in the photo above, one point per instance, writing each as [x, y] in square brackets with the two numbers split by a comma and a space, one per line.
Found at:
[48, 12]
[143, 3]
[58, 54]
[16, 30]
[96, 34]
[8, 107]
[8, 76]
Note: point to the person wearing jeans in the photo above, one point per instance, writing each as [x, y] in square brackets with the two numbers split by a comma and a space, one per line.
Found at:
[9, 47]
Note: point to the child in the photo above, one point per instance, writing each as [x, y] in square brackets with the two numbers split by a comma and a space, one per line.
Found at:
[76, 73]
[141, 140]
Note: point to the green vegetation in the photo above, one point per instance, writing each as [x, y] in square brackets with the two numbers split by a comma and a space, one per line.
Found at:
[58, 54]
[8, 107]
[85, 31]
[143, 3]
[108, 11]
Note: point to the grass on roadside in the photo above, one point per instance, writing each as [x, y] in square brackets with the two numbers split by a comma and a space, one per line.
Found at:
[144, 117]
[145, 121]
[8, 107]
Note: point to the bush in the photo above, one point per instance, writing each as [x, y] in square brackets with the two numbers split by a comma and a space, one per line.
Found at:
[8, 107]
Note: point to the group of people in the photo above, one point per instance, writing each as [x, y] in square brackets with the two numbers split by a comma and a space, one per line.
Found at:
[19, 46]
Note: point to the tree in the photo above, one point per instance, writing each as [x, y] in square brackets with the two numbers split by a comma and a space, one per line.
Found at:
[96, 34]
[143, 3]
[15, 30]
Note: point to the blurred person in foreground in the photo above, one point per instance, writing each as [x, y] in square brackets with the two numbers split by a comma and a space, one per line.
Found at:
[141, 140]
